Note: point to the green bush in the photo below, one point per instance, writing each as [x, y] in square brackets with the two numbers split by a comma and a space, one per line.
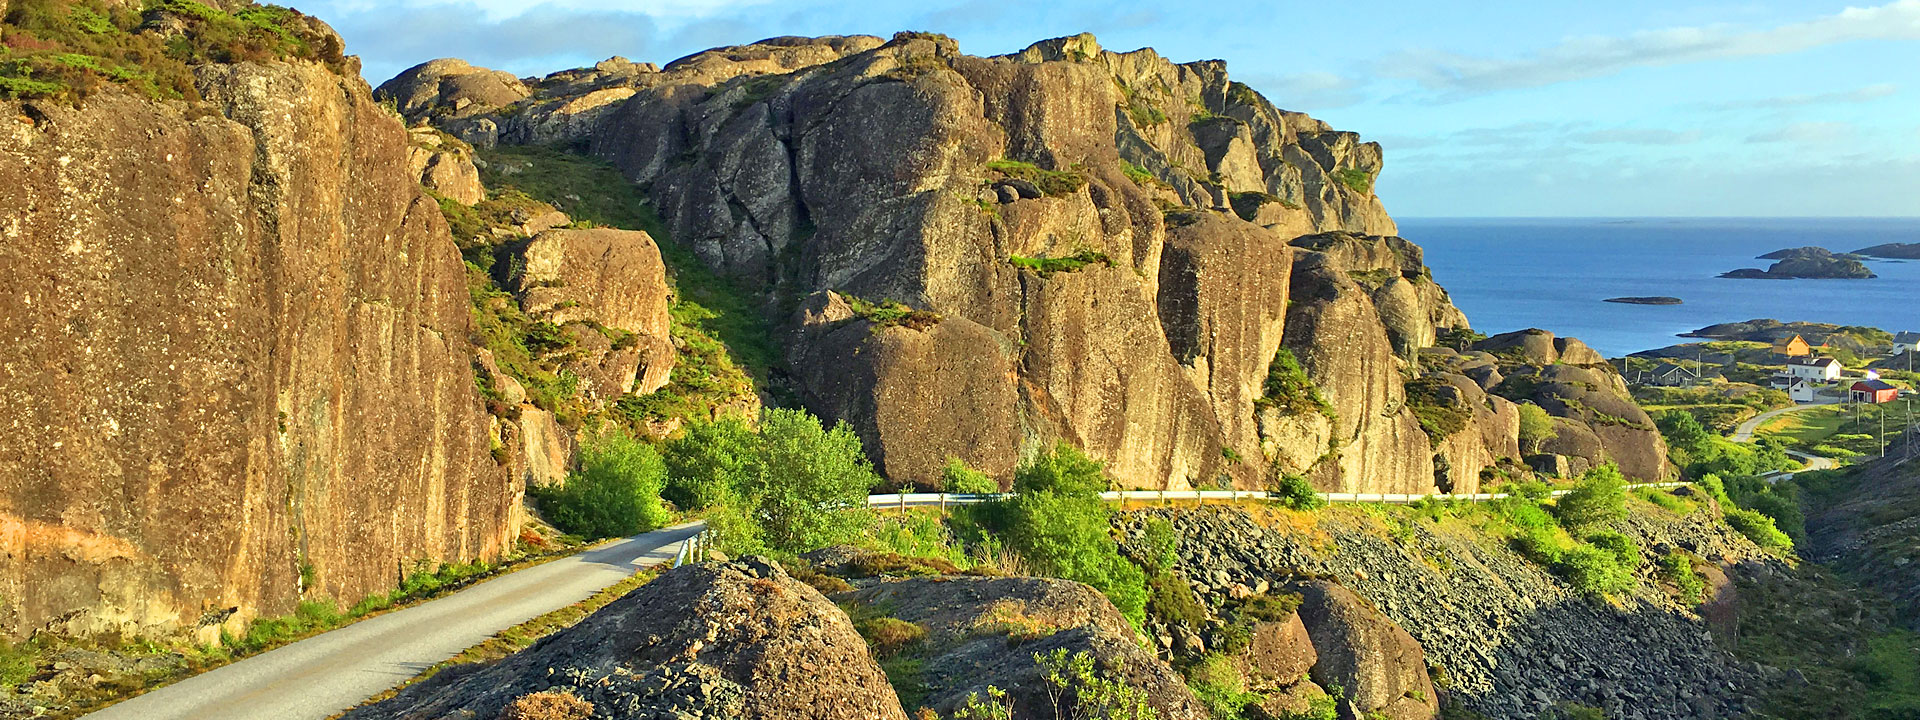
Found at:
[1356, 179]
[890, 313]
[1536, 427]
[1677, 568]
[1289, 389]
[709, 460]
[1070, 263]
[811, 491]
[16, 664]
[1623, 548]
[957, 477]
[1295, 493]
[1601, 497]
[1757, 527]
[1218, 683]
[1089, 691]
[615, 493]
[1441, 419]
[1594, 571]
[1059, 526]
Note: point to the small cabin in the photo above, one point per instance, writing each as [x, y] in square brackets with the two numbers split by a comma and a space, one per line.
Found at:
[1813, 368]
[1802, 391]
[1874, 391]
[1906, 342]
[1794, 346]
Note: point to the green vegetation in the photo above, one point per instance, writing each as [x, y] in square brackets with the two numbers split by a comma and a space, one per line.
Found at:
[1141, 110]
[957, 477]
[1080, 689]
[1700, 453]
[1600, 498]
[1048, 266]
[615, 493]
[1859, 664]
[1436, 404]
[1139, 175]
[889, 313]
[1536, 427]
[1247, 204]
[1838, 431]
[69, 49]
[1218, 683]
[802, 487]
[708, 460]
[1058, 526]
[1677, 568]
[16, 664]
[725, 343]
[1295, 493]
[1052, 183]
[1289, 390]
[1356, 179]
[1569, 537]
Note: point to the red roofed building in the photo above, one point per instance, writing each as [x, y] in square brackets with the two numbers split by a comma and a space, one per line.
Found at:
[1874, 391]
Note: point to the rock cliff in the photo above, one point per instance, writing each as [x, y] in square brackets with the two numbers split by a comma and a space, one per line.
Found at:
[1099, 247]
[239, 372]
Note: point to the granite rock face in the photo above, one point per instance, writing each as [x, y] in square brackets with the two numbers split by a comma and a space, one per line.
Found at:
[239, 352]
[714, 640]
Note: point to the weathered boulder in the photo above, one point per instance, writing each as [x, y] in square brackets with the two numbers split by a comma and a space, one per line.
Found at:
[1381, 667]
[1533, 346]
[588, 280]
[450, 87]
[237, 349]
[445, 165]
[713, 640]
[986, 631]
[546, 448]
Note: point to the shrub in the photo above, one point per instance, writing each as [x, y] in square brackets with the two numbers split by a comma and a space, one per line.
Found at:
[615, 493]
[1295, 493]
[957, 477]
[1677, 568]
[1623, 548]
[1441, 418]
[887, 636]
[1289, 389]
[1536, 427]
[16, 664]
[709, 460]
[1218, 683]
[890, 313]
[1171, 600]
[547, 705]
[1601, 497]
[1270, 608]
[1594, 571]
[1757, 527]
[1059, 526]
[1080, 690]
[812, 484]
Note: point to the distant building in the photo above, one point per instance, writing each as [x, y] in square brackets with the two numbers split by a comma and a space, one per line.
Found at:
[1795, 346]
[1874, 391]
[1906, 342]
[1812, 368]
[1802, 391]
[1674, 376]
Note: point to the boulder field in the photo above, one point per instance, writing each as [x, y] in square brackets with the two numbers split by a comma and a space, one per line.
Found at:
[1108, 249]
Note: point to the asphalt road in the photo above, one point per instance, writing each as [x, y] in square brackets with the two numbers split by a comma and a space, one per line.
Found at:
[329, 673]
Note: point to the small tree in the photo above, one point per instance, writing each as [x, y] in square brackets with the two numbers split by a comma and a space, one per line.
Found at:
[616, 491]
[1536, 427]
[1600, 497]
[707, 463]
[956, 477]
[811, 490]
[1294, 492]
[1059, 525]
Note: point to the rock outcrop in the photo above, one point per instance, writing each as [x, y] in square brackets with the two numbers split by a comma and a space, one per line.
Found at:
[1501, 635]
[708, 641]
[239, 373]
[1806, 263]
[1081, 221]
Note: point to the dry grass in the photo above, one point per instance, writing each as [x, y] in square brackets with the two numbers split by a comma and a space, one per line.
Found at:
[1010, 618]
[547, 705]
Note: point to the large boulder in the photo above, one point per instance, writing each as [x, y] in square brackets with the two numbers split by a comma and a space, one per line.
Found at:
[450, 87]
[986, 632]
[603, 278]
[1380, 666]
[444, 164]
[714, 640]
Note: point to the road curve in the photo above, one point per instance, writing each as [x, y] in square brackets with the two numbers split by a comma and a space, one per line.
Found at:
[329, 673]
[1744, 433]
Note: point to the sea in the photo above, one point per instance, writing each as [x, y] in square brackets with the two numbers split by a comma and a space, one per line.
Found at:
[1553, 273]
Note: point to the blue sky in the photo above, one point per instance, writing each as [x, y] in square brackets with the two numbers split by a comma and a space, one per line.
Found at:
[1494, 108]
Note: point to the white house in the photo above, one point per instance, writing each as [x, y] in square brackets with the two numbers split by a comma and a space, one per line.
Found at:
[1812, 368]
[1906, 342]
[1802, 391]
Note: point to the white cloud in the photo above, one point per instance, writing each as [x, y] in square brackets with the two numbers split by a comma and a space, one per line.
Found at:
[1596, 56]
[1838, 97]
[1808, 133]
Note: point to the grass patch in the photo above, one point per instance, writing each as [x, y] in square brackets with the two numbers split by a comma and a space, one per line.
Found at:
[1289, 390]
[68, 49]
[1428, 398]
[1355, 179]
[890, 313]
[1052, 183]
[1048, 266]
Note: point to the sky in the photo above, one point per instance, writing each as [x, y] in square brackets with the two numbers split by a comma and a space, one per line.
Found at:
[1496, 108]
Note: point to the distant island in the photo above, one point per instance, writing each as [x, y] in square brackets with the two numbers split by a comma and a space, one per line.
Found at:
[1892, 251]
[1806, 263]
[1646, 300]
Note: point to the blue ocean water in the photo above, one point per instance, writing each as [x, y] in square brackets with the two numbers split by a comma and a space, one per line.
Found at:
[1514, 273]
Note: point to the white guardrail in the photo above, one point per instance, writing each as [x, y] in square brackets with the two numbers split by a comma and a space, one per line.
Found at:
[944, 499]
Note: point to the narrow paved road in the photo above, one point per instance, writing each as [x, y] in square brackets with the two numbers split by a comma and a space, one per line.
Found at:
[329, 673]
[1744, 433]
